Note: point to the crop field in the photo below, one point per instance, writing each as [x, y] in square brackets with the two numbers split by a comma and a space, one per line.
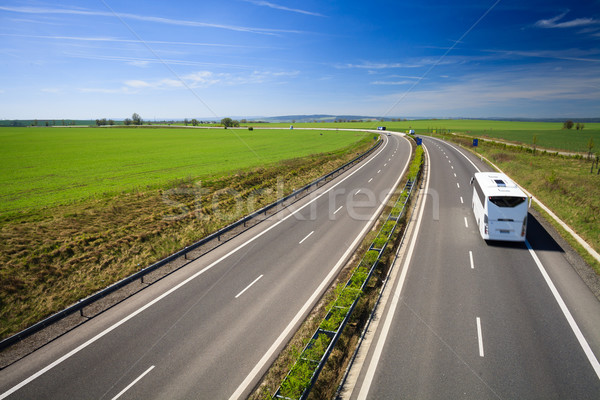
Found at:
[49, 166]
[550, 135]
[81, 208]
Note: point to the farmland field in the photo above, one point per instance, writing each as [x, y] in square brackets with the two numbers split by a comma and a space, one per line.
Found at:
[81, 208]
[49, 166]
[550, 135]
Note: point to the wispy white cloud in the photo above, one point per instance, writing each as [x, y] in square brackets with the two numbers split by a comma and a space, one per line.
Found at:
[375, 66]
[412, 63]
[553, 22]
[123, 90]
[145, 18]
[521, 92]
[198, 79]
[138, 61]
[209, 78]
[119, 40]
[392, 83]
[280, 7]
[567, 54]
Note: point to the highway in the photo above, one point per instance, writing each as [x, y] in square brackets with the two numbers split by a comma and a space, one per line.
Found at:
[211, 329]
[467, 319]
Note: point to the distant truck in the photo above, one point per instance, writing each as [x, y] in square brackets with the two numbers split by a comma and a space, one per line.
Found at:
[381, 128]
[411, 132]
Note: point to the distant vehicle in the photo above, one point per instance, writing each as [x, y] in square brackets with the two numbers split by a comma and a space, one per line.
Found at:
[389, 134]
[411, 132]
[500, 207]
[381, 128]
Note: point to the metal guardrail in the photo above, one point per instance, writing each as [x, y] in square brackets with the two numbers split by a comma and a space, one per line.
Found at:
[81, 304]
[333, 336]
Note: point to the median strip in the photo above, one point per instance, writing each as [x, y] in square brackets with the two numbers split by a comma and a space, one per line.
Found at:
[302, 376]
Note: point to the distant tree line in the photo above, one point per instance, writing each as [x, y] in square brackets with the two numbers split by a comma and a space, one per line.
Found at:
[569, 124]
[104, 121]
[134, 120]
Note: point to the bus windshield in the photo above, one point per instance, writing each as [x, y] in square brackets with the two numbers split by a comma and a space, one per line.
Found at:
[507, 201]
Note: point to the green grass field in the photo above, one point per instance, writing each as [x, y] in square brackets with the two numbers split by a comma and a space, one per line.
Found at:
[549, 134]
[49, 166]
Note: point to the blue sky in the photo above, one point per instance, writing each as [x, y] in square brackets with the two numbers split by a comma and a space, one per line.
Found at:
[214, 58]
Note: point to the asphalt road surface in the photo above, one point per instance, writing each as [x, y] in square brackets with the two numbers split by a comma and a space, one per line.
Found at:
[210, 330]
[466, 319]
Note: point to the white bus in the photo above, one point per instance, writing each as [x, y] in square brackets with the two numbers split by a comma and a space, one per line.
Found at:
[500, 207]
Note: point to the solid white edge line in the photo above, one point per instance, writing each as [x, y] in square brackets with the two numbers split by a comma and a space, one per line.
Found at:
[249, 286]
[479, 337]
[368, 380]
[177, 287]
[471, 259]
[306, 237]
[339, 208]
[574, 327]
[279, 341]
[133, 383]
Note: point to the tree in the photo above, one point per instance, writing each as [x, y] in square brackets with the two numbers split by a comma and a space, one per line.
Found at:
[127, 121]
[228, 122]
[136, 119]
[568, 124]
[194, 122]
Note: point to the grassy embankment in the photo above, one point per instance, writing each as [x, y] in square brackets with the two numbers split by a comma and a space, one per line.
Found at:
[82, 208]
